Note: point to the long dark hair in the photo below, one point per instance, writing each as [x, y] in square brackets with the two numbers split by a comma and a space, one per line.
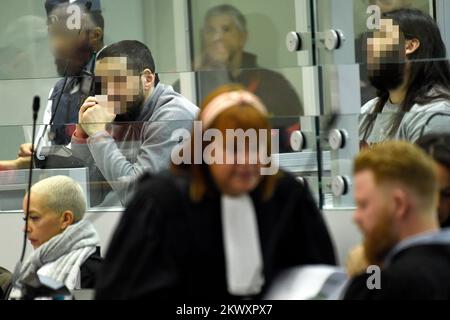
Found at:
[429, 78]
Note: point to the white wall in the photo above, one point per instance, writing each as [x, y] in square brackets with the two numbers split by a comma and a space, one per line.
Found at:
[340, 224]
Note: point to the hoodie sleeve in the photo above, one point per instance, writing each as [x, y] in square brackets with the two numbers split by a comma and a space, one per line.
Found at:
[153, 155]
[417, 124]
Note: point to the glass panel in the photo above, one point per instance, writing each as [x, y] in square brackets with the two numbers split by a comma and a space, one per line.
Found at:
[244, 42]
[223, 28]
[279, 89]
[107, 164]
[25, 49]
[302, 160]
[308, 94]
[408, 109]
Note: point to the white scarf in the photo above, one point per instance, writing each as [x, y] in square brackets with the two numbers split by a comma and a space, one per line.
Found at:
[61, 257]
[244, 263]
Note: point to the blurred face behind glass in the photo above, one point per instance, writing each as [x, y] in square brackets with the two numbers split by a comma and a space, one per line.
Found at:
[69, 47]
[236, 179]
[374, 216]
[386, 56]
[43, 224]
[222, 40]
[121, 89]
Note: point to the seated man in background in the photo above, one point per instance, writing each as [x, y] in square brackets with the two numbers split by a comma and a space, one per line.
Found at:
[73, 51]
[407, 64]
[128, 129]
[437, 146]
[223, 60]
[66, 246]
[396, 194]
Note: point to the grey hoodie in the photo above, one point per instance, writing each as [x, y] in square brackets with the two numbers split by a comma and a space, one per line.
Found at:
[419, 121]
[125, 150]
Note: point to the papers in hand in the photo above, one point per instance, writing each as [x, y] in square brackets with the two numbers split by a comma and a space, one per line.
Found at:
[316, 282]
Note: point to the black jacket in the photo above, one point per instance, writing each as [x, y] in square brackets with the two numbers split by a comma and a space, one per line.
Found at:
[89, 270]
[167, 246]
[420, 272]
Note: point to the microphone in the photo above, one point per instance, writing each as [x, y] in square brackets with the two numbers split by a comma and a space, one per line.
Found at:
[36, 107]
[15, 276]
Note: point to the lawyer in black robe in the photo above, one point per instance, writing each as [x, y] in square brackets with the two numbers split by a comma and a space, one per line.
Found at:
[167, 246]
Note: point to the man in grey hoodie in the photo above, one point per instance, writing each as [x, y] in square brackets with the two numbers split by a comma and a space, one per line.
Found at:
[127, 128]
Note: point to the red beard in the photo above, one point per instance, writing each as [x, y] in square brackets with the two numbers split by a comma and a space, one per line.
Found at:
[381, 240]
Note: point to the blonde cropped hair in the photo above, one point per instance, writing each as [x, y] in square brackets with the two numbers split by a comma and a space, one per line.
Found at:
[60, 194]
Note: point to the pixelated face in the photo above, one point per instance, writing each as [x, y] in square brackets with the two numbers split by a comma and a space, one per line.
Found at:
[386, 56]
[374, 216]
[222, 38]
[118, 87]
[385, 45]
[43, 224]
